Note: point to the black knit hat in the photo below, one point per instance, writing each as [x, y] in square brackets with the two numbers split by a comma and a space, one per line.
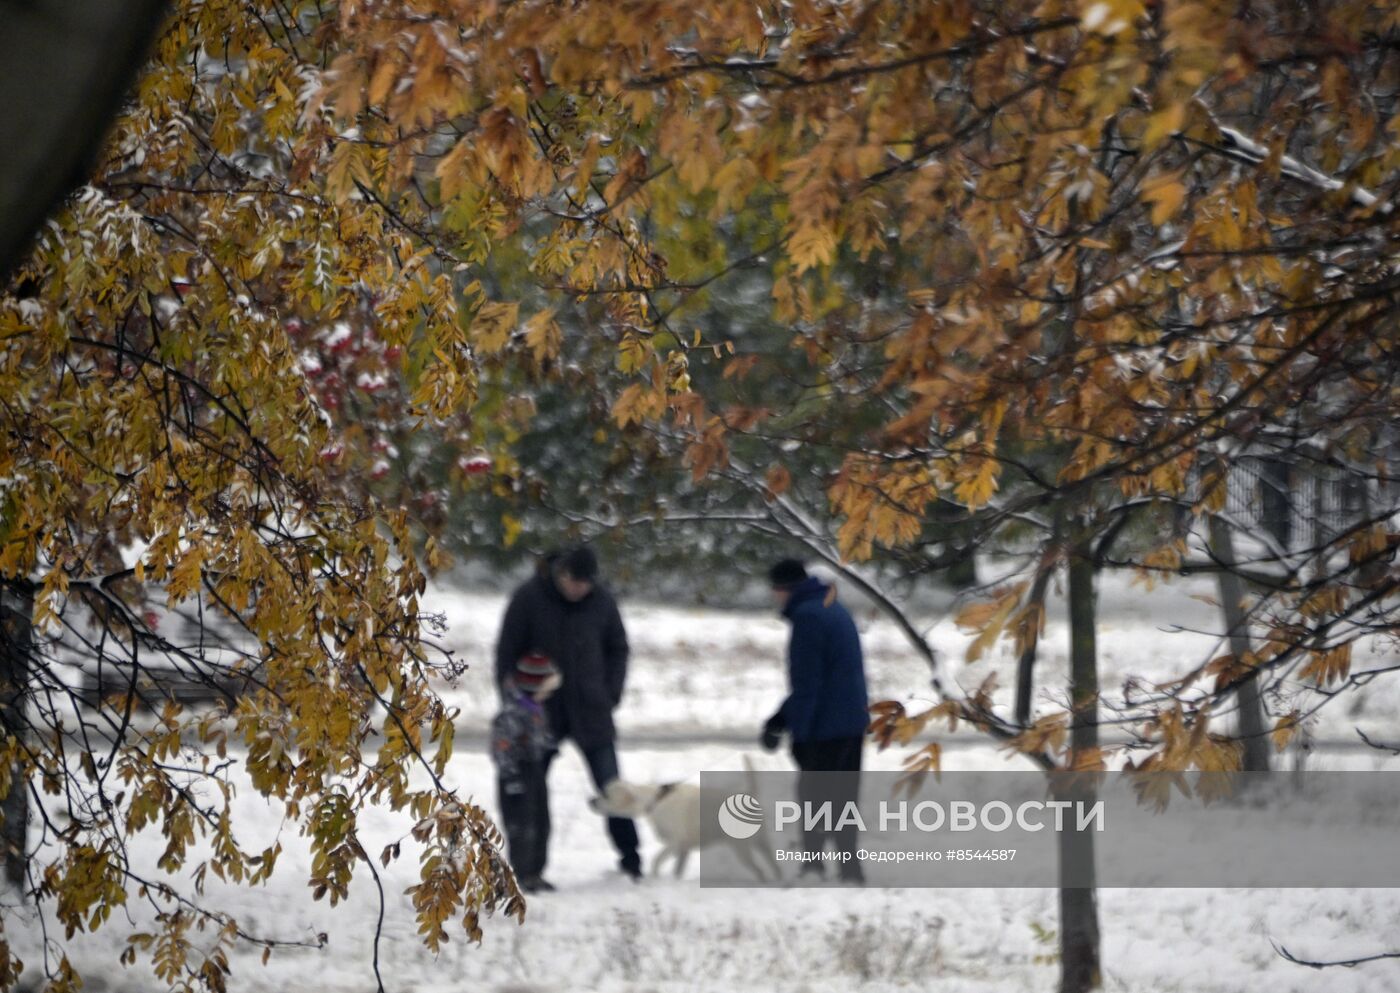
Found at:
[786, 574]
[580, 563]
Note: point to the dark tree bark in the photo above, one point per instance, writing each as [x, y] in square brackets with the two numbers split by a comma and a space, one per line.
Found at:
[1276, 499]
[16, 649]
[1232, 592]
[1079, 913]
[962, 574]
[64, 67]
[1025, 665]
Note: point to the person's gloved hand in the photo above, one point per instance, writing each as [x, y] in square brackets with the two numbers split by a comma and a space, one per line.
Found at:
[772, 733]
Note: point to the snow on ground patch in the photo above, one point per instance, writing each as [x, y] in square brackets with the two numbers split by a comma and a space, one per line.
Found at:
[700, 671]
[704, 680]
[602, 933]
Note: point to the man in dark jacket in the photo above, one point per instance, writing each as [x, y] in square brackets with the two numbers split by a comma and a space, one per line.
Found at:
[826, 711]
[565, 615]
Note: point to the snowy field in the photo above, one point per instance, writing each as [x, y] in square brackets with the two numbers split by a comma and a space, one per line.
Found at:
[701, 683]
[707, 674]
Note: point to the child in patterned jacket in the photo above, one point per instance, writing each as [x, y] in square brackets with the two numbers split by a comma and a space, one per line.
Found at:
[521, 744]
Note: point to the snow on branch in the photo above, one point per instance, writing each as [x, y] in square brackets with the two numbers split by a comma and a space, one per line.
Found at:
[1240, 145]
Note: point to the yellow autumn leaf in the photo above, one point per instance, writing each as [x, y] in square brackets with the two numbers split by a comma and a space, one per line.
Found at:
[543, 336]
[1163, 124]
[511, 528]
[1284, 731]
[1165, 193]
[493, 324]
[812, 244]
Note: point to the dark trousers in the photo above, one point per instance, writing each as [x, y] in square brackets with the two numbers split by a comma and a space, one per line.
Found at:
[524, 800]
[830, 773]
[602, 767]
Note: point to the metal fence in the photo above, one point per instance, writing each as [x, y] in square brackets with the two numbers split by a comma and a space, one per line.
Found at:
[1303, 504]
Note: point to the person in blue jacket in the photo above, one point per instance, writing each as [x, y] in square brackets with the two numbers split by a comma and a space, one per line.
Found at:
[826, 712]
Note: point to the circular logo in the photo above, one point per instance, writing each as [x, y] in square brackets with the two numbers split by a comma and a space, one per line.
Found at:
[740, 816]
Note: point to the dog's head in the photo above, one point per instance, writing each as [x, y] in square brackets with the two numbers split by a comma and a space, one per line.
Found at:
[621, 799]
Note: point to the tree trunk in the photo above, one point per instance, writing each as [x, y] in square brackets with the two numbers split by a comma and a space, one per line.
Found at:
[962, 574]
[1025, 665]
[1276, 500]
[1079, 914]
[1252, 730]
[16, 648]
[65, 66]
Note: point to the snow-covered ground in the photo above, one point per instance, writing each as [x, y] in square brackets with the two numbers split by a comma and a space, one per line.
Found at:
[701, 683]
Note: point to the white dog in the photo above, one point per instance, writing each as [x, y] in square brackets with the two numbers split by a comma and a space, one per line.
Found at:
[673, 811]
